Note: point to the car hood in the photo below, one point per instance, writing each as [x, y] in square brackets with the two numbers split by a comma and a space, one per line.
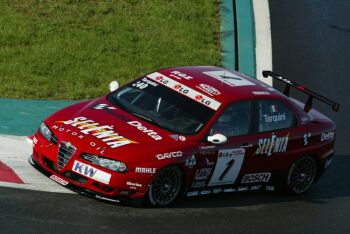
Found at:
[98, 127]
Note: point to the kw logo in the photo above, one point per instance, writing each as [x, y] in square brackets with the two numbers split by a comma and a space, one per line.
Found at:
[84, 169]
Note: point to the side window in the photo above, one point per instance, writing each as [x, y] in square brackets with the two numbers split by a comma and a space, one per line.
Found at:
[234, 120]
[273, 115]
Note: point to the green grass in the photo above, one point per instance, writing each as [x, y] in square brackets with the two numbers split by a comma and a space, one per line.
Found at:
[72, 49]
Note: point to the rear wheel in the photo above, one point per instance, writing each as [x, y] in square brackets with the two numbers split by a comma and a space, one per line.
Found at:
[165, 186]
[302, 174]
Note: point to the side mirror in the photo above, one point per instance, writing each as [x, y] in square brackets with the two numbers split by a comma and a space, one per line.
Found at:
[114, 85]
[217, 139]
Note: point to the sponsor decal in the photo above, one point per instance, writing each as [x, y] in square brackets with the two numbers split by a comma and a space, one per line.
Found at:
[230, 190]
[275, 118]
[89, 127]
[175, 154]
[307, 138]
[133, 184]
[91, 172]
[179, 75]
[209, 89]
[228, 165]
[255, 187]
[327, 136]
[273, 109]
[217, 190]
[145, 170]
[192, 194]
[102, 106]
[203, 173]
[229, 78]
[240, 189]
[182, 138]
[261, 93]
[175, 137]
[191, 161]
[272, 145]
[198, 184]
[207, 147]
[270, 188]
[208, 162]
[59, 180]
[184, 90]
[328, 162]
[106, 199]
[35, 141]
[144, 83]
[143, 129]
[205, 192]
[256, 177]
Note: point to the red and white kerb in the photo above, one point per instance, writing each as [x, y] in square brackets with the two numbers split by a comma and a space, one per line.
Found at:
[184, 90]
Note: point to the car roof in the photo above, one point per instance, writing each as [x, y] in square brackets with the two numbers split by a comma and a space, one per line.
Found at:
[221, 84]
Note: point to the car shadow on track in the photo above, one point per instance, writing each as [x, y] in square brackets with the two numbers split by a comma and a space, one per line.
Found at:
[334, 183]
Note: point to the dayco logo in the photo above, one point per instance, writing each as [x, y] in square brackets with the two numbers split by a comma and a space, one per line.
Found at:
[149, 132]
[327, 136]
[257, 177]
[169, 155]
[272, 145]
[104, 132]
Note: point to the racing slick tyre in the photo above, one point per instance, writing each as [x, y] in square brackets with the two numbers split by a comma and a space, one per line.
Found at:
[301, 175]
[165, 186]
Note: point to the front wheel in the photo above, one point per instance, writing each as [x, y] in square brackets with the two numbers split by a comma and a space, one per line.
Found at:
[302, 174]
[165, 186]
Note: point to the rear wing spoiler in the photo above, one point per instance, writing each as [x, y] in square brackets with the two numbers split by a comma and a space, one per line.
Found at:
[312, 94]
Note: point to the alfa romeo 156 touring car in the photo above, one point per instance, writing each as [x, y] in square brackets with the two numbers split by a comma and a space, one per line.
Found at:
[187, 131]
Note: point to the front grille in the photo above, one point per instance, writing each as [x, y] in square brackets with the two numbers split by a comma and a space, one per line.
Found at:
[65, 152]
[69, 174]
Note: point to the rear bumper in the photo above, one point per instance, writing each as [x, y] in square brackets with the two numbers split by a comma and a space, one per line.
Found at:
[82, 190]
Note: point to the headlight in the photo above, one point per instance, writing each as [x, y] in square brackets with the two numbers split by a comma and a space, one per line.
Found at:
[110, 164]
[45, 131]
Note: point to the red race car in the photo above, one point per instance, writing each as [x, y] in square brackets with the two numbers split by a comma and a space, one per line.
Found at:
[187, 130]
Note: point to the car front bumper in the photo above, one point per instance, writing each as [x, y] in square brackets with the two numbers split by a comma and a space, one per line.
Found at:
[84, 191]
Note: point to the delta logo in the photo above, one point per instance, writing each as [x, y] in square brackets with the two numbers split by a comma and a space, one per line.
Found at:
[103, 132]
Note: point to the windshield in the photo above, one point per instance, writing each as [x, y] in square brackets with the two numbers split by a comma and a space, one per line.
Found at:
[162, 106]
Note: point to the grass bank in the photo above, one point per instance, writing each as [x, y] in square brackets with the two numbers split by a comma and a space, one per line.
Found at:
[72, 49]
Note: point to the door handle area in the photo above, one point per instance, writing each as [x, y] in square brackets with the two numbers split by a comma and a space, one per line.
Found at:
[246, 145]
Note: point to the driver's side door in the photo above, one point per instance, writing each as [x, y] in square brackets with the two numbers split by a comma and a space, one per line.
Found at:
[228, 159]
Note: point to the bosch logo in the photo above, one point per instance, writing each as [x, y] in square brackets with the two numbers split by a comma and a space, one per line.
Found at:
[257, 177]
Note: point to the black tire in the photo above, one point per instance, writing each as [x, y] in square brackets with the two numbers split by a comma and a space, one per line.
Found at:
[301, 175]
[165, 186]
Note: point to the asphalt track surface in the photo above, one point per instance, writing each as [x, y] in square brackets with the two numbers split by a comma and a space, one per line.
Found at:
[324, 209]
[310, 39]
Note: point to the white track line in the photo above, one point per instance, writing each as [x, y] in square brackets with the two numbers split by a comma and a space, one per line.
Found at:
[263, 48]
[14, 152]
